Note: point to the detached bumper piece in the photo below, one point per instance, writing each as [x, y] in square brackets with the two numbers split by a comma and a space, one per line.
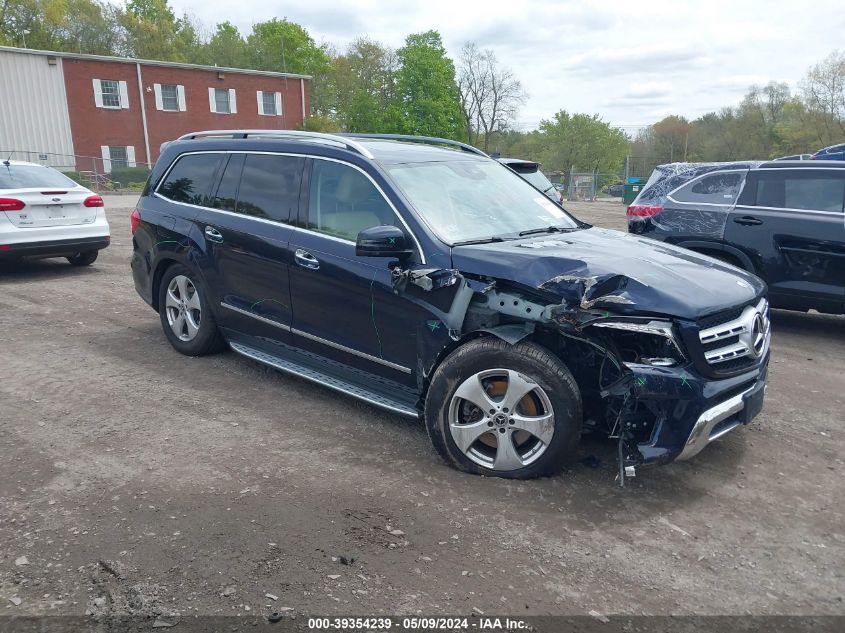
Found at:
[55, 248]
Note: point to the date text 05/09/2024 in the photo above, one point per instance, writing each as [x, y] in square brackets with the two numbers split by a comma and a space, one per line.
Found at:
[417, 624]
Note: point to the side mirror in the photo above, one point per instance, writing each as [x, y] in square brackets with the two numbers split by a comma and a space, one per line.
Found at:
[382, 241]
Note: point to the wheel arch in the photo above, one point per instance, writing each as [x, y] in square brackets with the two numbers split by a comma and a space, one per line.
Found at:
[719, 251]
[510, 333]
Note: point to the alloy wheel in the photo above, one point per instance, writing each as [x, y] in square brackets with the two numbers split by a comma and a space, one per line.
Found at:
[184, 311]
[501, 419]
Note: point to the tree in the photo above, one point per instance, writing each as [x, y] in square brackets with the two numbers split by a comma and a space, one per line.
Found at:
[226, 47]
[284, 46]
[427, 97]
[824, 92]
[583, 141]
[152, 31]
[490, 95]
[671, 138]
[365, 84]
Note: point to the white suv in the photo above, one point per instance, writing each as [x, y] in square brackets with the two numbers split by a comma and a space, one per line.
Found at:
[43, 213]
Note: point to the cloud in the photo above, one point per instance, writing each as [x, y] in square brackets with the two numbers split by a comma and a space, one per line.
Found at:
[627, 60]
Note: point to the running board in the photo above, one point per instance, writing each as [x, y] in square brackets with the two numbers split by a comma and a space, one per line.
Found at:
[332, 382]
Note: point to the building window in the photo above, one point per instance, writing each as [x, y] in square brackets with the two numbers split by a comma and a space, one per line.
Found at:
[109, 93]
[269, 103]
[118, 156]
[170, 97]
[222, 100]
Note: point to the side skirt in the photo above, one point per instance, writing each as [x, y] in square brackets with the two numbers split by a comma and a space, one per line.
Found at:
[303, 369]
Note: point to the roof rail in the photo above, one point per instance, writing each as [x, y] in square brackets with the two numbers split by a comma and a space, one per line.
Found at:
[295, 135]
[431, 140]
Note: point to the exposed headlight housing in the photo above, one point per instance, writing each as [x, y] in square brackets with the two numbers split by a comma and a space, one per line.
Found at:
[646, 343]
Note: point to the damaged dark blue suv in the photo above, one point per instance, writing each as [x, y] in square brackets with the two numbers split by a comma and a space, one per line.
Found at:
[424, 277]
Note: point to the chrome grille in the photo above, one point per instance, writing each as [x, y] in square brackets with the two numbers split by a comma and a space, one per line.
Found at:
[746, 336]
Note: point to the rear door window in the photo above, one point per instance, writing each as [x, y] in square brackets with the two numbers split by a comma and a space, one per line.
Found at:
[805, 189]
[190, 179]
[226, 197]
[269, 186]
[720, 188]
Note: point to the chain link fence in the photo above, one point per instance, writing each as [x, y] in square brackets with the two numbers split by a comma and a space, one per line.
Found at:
[590, 185]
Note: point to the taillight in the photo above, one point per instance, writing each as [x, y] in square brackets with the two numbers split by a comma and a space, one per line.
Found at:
[134, 220]
[11, 204]
[93, 201]
[643, 211]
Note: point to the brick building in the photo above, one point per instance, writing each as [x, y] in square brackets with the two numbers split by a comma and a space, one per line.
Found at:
[90, 112]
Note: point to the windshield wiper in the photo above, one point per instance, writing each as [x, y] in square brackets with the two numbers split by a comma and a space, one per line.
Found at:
[544, 229]
[483, 240]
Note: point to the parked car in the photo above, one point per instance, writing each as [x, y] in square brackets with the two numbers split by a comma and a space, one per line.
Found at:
[530, 171]
[43, 213]
[834, 152]
[616, 190]
[425, 278]
[796, 157]
[781, 220]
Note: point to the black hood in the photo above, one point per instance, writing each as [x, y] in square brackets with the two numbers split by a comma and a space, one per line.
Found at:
[614, 271]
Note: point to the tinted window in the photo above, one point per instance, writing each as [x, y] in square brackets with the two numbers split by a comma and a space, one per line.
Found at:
[343, 202]
[805, 189]
[22, 176]
[227, 192]
[190, 179]
[718, 188]
[270, 186]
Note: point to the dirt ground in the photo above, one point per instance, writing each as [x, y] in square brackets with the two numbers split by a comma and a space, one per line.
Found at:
[134, 480]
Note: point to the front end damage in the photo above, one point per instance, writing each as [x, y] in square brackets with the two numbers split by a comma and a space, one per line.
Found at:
[638, 384]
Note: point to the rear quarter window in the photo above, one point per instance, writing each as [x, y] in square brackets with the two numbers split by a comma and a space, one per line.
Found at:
[720, 188]
[190, 179]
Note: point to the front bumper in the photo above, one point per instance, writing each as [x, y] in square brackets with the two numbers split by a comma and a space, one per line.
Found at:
[687, 411]
[53, 248]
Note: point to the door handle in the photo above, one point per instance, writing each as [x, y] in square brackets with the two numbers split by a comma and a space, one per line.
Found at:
[213, 234]
[306, 259]
[748, 220]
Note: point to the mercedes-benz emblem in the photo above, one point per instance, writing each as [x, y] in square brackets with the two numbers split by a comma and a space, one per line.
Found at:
[758, 335]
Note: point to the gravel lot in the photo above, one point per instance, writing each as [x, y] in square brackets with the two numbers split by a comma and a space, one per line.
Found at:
[139, 481]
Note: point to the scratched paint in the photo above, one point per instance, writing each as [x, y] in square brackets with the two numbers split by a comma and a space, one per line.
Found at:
[373, 312]
[252, 307]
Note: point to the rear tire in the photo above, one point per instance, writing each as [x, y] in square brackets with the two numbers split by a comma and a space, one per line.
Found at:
[185, 313]
[85, 258]
[524, 421]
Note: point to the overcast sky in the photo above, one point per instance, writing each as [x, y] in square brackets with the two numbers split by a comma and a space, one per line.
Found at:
[632, 61]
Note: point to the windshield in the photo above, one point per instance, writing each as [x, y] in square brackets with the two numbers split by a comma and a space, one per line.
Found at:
[466, 200]
[23, 176]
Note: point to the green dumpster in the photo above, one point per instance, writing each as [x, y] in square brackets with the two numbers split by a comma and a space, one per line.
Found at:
[632, 190]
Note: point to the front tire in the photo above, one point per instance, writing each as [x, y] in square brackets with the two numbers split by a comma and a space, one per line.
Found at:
[86, 258]
[504, 410]
[185, 314]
